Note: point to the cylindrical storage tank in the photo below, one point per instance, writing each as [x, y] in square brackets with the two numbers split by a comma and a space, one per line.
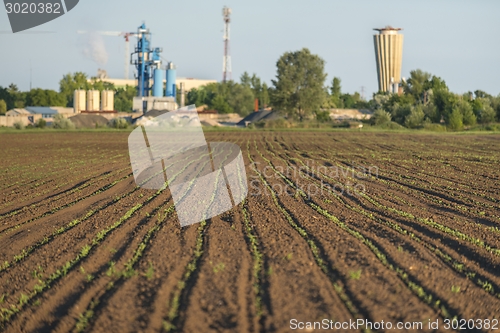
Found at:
[79, 102]
[171, 77]
[158, 83]
[107, 100]
[93, 102]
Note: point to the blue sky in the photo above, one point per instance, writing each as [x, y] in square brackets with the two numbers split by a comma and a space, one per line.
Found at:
[454, 39]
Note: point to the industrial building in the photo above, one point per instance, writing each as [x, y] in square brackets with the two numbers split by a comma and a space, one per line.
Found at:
[31, 114]
[389, 57]
[188, 82]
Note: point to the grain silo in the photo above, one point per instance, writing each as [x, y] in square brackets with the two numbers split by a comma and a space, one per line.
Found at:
[107, 100]
[79, 101]
[93, 101]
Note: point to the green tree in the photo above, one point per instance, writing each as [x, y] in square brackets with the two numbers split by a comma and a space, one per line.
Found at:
[17, 98]
[465, 108]
[71, 82]
[245, 79]
[97, 84]
[445, 103]
[415, 118]
[3, 107]
[336, 93]
[298, 88]
[380, 117]
[415, 84]
[124, 97]
[432, 112]
[221, 105]
[455, 120]
[240, 98]
[44, 97]
[41, 123]
[487, 114]
[323, 116]
[264, 96]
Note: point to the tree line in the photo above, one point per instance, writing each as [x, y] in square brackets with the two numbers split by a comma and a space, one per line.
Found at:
[11, 97]
[300, 92]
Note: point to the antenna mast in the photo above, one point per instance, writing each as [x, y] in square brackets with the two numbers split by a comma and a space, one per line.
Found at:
[226, 62]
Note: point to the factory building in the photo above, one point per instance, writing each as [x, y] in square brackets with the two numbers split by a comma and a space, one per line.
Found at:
[156, 83]
[389, 56]
[188, 82]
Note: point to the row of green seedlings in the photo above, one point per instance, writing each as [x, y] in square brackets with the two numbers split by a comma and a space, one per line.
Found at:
[457, 192]
[453, 232]
[453, 191]
[7, 313]
[430, 198]
[493, 229]
[116, 276]
[28, 250]
[257, 257]
[59, 208]
[18, 169]
[426, 296]
[433, 175]
[64, 166]
[129, 271]
[169, 324]
[90, 182]
[487, 285]
[328, 269]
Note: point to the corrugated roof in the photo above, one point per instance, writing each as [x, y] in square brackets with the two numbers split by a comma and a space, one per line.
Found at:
[48, 109]
[14, 112]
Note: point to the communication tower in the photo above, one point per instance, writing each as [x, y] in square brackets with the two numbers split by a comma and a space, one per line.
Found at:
[226, 62]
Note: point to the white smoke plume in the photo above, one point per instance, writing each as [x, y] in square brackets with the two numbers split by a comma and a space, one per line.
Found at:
[95, 49]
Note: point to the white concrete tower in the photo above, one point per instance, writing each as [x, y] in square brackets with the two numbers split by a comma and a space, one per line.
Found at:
[389, 57]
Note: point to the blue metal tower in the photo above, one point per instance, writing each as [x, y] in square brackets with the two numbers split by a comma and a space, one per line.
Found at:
[147, 61]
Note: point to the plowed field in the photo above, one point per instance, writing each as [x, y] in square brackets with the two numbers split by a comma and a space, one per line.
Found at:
[336, 227]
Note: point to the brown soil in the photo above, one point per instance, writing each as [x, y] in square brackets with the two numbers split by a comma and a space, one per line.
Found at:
[416, 238]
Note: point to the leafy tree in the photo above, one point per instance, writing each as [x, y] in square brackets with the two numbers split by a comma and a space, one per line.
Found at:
[43, 97]
[380, 117]
[323, 116]
[97, 84]
[3, 107]
[17, 98]
[482, 94]
[120, 123]
[487, 114]
[41, 123]
[445, 102]
[435, 84]
[245, 79]
[415, 84]
[465, 108]
[240, 98]
[264, 96]
[415, 118]
[335, 93]
[298, 88]
[221, 105]
[62, 123]
[455, 120]
[71, 82]
[124, 97]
